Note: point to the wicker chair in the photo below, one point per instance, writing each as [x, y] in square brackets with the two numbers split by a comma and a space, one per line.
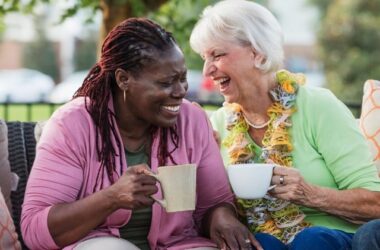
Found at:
[21, 148]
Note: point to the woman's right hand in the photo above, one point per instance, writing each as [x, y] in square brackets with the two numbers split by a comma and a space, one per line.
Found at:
[70, 222]
[134, 189]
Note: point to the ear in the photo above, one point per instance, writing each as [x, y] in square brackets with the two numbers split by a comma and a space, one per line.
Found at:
[122, 79]
[258, 59]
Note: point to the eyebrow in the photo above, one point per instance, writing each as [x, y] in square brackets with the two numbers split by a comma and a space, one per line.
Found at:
[212, 51]
[173, 76]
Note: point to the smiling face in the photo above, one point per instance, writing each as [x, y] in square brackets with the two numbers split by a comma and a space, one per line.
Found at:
[154, 95]
[231, 67]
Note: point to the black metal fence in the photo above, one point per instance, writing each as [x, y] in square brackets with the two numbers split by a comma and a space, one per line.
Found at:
[43, 110]
[27, 111]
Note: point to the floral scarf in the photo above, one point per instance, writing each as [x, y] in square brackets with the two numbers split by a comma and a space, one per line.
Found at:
[279, 218]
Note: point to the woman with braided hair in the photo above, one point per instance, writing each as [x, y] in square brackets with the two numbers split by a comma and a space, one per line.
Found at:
[326, 183]
[90, 187]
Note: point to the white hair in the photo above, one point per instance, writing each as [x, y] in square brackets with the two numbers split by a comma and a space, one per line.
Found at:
[242, 22]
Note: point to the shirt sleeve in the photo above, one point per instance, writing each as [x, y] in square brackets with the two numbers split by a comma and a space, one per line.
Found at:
[343, 147]
[56, 177]
[213, 186]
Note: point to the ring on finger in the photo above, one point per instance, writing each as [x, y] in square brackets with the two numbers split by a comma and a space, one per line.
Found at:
[282, 180]
[248, 241]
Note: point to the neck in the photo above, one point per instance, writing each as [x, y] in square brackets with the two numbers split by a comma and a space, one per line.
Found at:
[128, 124]
[257, 102]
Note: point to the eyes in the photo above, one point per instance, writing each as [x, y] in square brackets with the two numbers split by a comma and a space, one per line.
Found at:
[167, 83]
[214, 56]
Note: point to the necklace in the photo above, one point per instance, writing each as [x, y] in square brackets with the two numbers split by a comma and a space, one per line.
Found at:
[259, 126]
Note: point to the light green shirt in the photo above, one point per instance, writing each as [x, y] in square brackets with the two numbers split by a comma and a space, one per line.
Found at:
[329, 149]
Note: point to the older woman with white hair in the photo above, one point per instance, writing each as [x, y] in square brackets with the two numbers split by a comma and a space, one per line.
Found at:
[326, 183]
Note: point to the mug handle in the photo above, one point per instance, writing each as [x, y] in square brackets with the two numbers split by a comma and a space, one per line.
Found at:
[162, 202]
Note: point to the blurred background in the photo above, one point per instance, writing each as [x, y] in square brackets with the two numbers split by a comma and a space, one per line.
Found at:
[47, 46]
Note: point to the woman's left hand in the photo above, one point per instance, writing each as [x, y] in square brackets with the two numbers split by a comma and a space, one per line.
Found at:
[291, 186]
[228, 232]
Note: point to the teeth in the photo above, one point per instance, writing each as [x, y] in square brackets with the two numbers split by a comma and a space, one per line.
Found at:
[171, 108]
[221, 80]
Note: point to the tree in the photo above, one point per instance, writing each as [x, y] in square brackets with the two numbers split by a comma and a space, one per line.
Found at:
[179, 17]
[349, 38]
[114, 11]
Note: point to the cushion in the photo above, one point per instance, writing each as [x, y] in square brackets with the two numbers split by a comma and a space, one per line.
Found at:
[38, 129]
[5, 169]
[370, 118]
[8, 235]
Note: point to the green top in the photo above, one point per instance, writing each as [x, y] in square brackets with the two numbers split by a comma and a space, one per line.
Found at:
[329, 149]
[137, 229]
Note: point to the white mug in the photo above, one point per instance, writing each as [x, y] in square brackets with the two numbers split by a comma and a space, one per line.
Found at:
[178, 184]
[250, 180]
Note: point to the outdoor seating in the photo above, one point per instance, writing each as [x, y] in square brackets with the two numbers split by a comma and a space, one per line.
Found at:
[21, 149]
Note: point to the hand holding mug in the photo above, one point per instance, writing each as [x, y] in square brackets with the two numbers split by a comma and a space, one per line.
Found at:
[134, 188]
[291, 186]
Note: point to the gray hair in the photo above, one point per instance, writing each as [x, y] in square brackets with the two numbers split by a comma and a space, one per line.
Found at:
[242, 22]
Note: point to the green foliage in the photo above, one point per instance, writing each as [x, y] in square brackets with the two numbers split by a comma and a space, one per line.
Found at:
[179, 17]
[92, 5]
[349, 39]
[25, 6]
[28, 6]
[2, 27]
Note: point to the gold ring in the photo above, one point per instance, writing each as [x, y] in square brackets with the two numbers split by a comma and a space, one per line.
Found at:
[282, 180]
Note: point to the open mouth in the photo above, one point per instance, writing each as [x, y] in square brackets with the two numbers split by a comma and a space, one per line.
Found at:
[173, 109]
[223, 83]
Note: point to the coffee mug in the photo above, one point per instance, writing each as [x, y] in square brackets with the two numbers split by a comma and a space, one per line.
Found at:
[250, 180]
[178, 185]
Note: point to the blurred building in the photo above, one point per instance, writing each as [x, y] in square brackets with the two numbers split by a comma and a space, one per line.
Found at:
[21, 30]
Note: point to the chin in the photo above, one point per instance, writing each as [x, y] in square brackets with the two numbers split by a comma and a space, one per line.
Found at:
[166, 123]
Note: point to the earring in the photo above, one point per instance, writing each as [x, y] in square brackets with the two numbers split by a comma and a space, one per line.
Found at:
[125, 96]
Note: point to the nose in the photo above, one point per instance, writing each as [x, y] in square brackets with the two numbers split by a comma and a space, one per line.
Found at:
[180, 90]
[208, 68]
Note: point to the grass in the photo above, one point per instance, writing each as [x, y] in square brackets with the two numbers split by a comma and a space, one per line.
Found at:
[24, 112]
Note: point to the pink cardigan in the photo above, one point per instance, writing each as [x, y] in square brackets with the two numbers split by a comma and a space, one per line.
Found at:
[66, 165]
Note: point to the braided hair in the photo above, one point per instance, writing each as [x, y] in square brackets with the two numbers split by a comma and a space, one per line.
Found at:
[128, 46]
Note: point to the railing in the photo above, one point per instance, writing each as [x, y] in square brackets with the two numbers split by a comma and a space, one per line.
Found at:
[43, 110]
[27, 111]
